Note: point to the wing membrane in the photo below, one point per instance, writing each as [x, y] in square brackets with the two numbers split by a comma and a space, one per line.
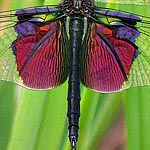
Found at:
[129, 36]
[139, 2]
[33, 50]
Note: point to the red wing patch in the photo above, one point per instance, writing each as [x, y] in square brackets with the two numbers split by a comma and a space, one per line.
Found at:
[100, 70]
[40, 55]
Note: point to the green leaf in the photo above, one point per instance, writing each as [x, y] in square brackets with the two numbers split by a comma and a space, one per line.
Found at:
[137, 104]
[7, 111]
[36, 120]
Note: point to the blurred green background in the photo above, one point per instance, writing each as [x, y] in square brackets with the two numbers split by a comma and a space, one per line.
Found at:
[36, 120]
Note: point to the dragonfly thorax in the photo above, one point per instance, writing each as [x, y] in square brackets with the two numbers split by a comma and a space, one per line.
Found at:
[78, 7]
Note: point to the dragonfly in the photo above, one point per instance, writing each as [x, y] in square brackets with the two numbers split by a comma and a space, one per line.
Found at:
[41, 47]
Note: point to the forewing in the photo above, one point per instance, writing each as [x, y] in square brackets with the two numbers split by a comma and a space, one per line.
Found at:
[32, 54]
[138, 2]
[101, 69]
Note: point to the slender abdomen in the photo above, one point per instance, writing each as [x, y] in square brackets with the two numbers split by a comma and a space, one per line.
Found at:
[76, 29]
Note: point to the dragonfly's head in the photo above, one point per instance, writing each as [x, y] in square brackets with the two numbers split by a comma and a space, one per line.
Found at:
[79, 3]
[78, 6]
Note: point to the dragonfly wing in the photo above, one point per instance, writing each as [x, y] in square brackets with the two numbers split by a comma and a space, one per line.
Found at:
[140, 72]
[101, 69]
[8, 64]
[35, 55]
[139, 2]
